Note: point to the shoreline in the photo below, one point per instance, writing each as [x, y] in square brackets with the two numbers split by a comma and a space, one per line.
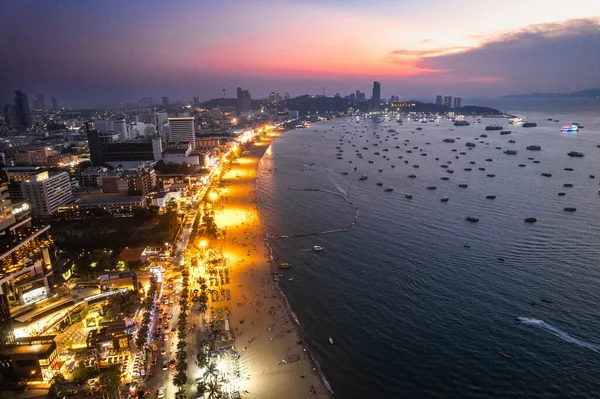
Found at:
[267, 334]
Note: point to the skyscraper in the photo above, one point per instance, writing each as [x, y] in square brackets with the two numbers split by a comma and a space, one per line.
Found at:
[22, 109]
[165, 101]
[11, 116]
[448, 101]
[286, 96]
[439, 100]
[360, 97]
[54, 104]
[457, 102]
[244, 102]
[39, 102]
[182, 130]
[376, 98]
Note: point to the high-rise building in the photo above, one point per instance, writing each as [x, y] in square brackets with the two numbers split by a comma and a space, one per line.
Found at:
[103, 125]
[160, 118]
[286, 96]
[244, 102]
[376, 98]
[196, 101]
[47, 192]
[277, 97]
[457, 102]
[439, 100]
[39, 102]
[182, 130]
[54, 104]
[360, 97]
[143, 182]
[272, 97]
[120, 128]
[448, 101]
[394, 99]
[22, 109]
[165, 101]
[11, 116]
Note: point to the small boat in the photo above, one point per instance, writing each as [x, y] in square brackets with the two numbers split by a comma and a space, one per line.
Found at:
[344, 173]
[409, 196]
[431, 187]
[491, 175]
[512, 141]
[285, 265]
[493, 127]
[444, 199]
[534, 147]
[490, 196]
[562, 194]
[569, 169]
[363, 177]
[530, 220]
[317, 248]
[570, 128]
[379, 183]
[331, 340]
[463, 185]
[469, 144]
[569, 209]
[568, 185]
[449, 140]
[505, 132]
[461, 123]
[412, 176]
[504, 356]
[529, 124]
[575, 154]
[472, 219]
[547, 174]
[445, 178]
[290, 279]
[388, 190]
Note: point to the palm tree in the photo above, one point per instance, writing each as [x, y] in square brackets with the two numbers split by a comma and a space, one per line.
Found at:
[211, 371]
[214, 390]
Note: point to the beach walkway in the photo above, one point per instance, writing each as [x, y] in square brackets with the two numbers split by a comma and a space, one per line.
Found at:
[272, 354]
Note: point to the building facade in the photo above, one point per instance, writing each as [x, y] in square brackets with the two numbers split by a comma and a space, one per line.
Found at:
[183, 130]
[47, 193]
[244, 102]
[376, 98]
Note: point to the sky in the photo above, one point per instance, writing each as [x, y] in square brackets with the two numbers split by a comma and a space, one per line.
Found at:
[89, 52]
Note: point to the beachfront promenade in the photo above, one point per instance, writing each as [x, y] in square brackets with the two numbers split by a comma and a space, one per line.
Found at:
[266, 337]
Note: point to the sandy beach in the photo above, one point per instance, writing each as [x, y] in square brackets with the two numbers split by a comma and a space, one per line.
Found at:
[267, 338]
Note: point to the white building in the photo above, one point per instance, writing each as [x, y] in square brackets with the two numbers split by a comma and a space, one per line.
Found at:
[120, 127]
[182, 130]
[104, 125]
[139, 129]
[160, 118]
[47, 192]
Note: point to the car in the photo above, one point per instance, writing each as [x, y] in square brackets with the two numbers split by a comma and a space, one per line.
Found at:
[164, 365]
[166, 337]
[171, 303]
[173, 329]
[160, 393]
[172, 363]
[163, 350]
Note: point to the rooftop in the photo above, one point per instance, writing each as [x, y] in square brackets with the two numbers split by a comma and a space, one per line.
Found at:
[94, 199]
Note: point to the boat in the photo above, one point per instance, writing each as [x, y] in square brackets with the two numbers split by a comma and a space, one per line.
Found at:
[461, 123]
[569, 209]
[363, 177]
[463, 185]
[285, 265]
[388, 190]
[344, 173]
[493, 127]
[547, 174]
[444, 199]
[431, 187]
[409, 196]
[490, 196]
[419, 128]
[379, 183]
[505, 132]
[511, 152]
[512, 141]
[331, 340]
[529, 124]
[534, 147]
[318, 248]
[483, 135]
[561, 194]
[290, 279]
[469, 144]
[530, 220]
[570, 128]
[575, 154]
[449, 140]
[568, 185]
[504, 356]
[472, 219]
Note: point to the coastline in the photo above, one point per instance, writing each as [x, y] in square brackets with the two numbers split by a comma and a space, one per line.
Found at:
[273, 352]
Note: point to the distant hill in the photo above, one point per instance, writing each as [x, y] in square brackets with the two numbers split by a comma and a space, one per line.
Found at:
[590, 93]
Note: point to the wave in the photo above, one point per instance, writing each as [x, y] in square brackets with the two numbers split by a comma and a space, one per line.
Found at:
[559, 333]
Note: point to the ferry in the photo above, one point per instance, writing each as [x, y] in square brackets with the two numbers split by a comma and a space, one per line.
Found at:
[570, 128]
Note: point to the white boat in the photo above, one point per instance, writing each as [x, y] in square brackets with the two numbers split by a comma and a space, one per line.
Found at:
[318, 248]
[290, 279]
[331, 340]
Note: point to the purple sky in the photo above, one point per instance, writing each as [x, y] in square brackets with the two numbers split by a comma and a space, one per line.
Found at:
[88, 52]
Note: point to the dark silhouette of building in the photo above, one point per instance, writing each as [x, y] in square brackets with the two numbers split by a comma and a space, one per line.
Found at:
[11, 116]
[54, 104]
[244, 102]
[457, 102]
[165, 101]
[39, 102]
[23, 109]
[448, 101]
[104, 149]
[439, 100]
[376, 98]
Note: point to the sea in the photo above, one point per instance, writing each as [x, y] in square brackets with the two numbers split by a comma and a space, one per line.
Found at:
[420, 302]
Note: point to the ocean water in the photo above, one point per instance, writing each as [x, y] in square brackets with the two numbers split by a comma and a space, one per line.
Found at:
[420, 302]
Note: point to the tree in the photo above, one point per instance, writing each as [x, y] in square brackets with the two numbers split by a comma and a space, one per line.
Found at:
[180, 378]
[211, 371]
[57, 384]
[201, 359]
[214, 389]
[110, 381]
[181, 394]
[80, 374]
[201, 387]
